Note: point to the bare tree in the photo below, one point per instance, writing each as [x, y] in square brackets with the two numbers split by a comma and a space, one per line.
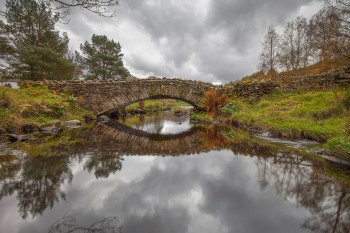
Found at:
[342, 17]
[327, 29]
[269, 55]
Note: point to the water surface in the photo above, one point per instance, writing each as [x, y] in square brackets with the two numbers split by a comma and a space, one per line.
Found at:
[193, 179]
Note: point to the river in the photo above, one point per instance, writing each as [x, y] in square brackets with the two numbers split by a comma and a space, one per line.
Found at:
[160, 173]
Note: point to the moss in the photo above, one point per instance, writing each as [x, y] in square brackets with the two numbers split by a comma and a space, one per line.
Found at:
[36, 105]
[201, 117]
[157, 105]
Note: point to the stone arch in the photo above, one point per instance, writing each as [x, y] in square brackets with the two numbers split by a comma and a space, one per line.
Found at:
[104, 96]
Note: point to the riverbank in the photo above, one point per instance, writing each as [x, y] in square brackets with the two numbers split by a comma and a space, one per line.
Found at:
[25, 110]
[319, 116]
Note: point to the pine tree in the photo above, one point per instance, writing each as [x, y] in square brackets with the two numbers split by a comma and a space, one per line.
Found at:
[32, 48]
[103, 58]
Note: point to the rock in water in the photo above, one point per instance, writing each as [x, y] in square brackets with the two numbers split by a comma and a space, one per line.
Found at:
[103, 118]
[73, 124]
[52, 127]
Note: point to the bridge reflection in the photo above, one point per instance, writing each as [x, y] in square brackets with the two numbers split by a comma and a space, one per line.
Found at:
[38, 182]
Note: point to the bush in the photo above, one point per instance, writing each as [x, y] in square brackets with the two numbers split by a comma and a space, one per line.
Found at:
[230, 108]
[212, 101]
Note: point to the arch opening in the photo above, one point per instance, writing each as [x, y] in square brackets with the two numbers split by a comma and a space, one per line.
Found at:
[163, 102]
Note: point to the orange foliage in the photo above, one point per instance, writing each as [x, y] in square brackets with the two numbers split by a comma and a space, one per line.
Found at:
[212, 101]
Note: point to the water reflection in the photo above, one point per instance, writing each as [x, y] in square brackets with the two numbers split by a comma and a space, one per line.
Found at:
[162, 123]
[236, 183]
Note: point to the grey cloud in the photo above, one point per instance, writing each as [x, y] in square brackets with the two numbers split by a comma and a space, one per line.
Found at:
[225, 37]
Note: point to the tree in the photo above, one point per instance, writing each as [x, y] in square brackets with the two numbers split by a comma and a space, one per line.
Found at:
[31, 48]
[342, 17]
[269, 55]
[105, 8]
[103, 58]
[327, 34]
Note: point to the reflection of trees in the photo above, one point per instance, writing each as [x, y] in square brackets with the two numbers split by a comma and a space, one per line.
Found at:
[68, 223]
[327, 199]
[103, 164]
[38, 184]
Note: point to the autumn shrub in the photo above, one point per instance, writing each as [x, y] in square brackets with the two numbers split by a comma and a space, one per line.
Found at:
[212, 101]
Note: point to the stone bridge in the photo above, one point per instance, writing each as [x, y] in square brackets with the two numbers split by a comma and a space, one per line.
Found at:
[107, 96]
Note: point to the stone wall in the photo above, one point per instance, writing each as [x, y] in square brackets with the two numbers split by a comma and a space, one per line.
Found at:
[250, 91]
[256, 90]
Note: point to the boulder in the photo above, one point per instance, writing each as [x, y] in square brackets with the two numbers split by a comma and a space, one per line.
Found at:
[73, 124]
[103, 118]
[52, 127]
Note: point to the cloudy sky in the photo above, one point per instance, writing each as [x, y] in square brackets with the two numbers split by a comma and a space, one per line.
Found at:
[208, 40]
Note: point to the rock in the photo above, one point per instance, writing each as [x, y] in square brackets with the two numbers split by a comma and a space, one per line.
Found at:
[103, 118]
[18, 137]
[179, 113]
[73, 124]
[52, 127]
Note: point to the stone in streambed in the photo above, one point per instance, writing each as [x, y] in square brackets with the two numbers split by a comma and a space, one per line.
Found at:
[73, 124]
[53, 127]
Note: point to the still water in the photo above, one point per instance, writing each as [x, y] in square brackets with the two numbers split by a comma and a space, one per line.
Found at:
[159, 173]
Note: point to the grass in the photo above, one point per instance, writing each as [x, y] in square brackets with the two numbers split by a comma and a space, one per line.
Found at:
[201, 117]
[158, 105]
[36, 106]
[320, 116]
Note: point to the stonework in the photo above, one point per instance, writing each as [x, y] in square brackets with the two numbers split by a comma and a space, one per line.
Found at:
[103, 97]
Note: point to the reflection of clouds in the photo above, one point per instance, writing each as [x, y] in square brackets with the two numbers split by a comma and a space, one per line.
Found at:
[213, 192]
[165, 127]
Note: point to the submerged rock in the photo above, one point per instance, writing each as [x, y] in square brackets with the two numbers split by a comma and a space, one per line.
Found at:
[180, 113]
[52, 127]
[73, 124]
[103, 118]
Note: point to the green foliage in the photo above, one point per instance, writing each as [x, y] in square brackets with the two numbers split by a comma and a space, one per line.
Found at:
[103, 58]
[230, 108]
[31, 47]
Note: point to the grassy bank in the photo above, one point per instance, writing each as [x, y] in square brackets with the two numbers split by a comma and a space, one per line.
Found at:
[153, 105]
[35, 106]
[320, 116]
